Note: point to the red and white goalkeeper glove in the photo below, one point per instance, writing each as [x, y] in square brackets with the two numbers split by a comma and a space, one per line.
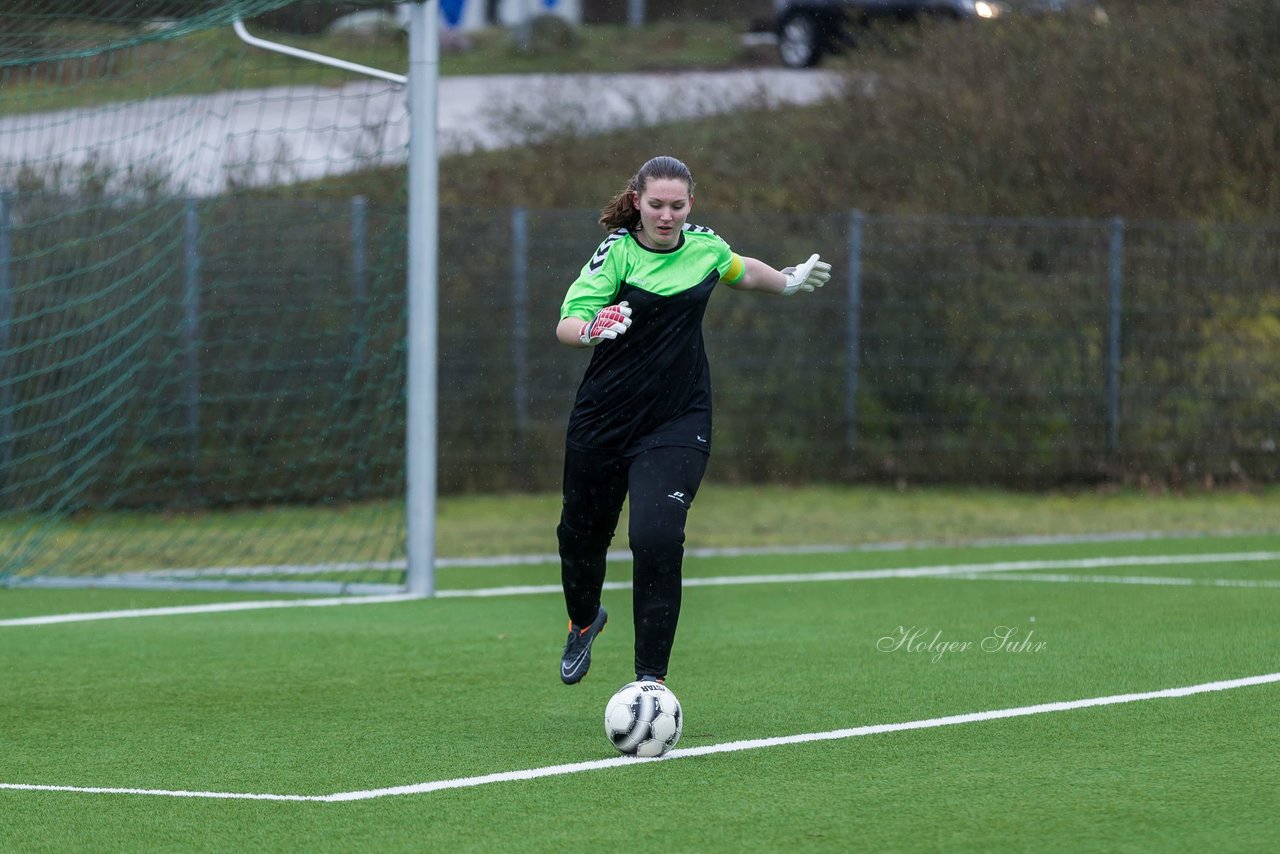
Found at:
[809, 275]
[609, 322]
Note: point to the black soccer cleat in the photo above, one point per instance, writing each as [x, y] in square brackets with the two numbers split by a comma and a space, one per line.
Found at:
[577, 649]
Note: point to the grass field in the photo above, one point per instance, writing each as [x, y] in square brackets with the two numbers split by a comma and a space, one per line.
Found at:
[725, 516]
[205, 713]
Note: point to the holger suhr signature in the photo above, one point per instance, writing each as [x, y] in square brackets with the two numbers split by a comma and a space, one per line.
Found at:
[935, 644]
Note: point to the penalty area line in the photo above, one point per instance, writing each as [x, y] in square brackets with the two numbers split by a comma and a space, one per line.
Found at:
[682, 753]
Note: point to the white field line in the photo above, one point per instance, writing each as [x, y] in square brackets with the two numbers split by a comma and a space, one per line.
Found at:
[1149, 580]
[685, 753]
[214, 608]
[712, 581]
[899, 572]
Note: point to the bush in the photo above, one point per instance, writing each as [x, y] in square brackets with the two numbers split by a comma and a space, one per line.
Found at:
[1170, 111]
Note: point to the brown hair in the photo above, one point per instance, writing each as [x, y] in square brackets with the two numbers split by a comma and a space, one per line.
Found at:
[620, 212]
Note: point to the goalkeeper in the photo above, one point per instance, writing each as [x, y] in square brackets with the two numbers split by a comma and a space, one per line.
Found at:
[641, 422]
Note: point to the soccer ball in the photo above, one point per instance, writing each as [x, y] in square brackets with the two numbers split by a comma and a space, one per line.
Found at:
[643, 719]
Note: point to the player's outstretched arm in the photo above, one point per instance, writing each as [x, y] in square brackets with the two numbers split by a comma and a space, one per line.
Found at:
[806, 277]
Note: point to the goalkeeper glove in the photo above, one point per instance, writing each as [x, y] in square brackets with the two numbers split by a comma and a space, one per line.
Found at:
[609, 322]
[809, 275]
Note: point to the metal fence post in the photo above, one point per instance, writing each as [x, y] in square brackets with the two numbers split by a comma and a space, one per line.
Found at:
[1113, 334]
[360, 336]
[6, 334]
[853, 327]
[520, 319]
[191, 328]
[359, 271]
[635, 13]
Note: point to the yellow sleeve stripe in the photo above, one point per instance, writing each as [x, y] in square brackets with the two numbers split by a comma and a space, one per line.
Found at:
[736, 268]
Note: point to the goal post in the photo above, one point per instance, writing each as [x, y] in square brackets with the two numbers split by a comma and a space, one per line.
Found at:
[421, 440]
[217, 348]
[424, 225]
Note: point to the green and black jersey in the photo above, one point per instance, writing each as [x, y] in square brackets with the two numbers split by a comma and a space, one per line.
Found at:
[650, 387]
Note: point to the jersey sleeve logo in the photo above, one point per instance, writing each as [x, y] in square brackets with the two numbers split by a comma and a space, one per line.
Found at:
[697, 229]
[597, 260]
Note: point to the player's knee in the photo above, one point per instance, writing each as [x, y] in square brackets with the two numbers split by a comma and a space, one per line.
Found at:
[661, 538]
[576, 541]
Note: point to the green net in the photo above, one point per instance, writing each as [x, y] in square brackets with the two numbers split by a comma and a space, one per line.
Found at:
[34, 31]
[201, 306]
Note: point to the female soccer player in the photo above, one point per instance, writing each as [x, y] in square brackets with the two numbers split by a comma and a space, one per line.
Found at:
[641, 422]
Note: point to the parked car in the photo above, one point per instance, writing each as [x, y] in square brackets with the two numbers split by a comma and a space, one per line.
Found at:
[808, 29]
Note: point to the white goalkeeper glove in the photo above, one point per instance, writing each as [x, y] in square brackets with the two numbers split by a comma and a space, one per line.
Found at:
[809, 275]
[609, 322]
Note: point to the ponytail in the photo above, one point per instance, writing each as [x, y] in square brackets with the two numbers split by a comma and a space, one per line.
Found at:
[621, 212]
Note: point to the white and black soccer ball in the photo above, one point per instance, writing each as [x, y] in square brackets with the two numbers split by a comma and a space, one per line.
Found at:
[643, 719]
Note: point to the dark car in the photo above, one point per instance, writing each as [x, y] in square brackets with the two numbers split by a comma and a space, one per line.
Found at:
[807, 29]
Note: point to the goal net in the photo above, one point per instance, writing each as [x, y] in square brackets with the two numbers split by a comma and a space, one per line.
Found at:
[201, 310]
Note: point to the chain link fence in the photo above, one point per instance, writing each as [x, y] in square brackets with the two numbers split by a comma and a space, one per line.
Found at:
[249, 352]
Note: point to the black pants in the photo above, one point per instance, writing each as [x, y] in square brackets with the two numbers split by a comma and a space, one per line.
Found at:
[662, 483]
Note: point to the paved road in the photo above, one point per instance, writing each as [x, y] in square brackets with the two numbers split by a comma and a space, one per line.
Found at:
[203, 145]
